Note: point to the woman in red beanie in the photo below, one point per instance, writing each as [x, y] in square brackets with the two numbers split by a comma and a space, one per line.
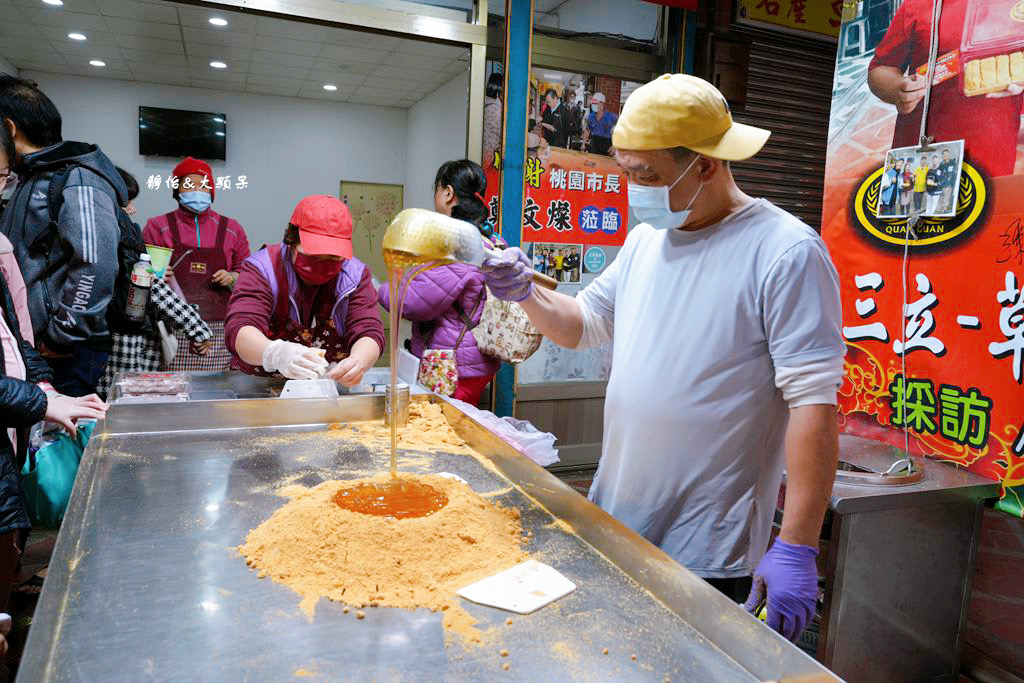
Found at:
[208, 251]
[305, 305]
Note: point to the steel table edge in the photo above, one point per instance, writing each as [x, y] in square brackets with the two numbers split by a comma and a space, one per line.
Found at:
[47, 619]
[894, 499]
[696, 602]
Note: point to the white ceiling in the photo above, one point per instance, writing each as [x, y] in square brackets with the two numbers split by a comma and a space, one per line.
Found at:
[168, 43]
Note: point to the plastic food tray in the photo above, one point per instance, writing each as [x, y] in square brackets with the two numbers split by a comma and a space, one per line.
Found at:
[154, 386]
[992, 46]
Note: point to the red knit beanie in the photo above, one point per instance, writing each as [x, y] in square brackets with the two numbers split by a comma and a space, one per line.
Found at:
[191, 165]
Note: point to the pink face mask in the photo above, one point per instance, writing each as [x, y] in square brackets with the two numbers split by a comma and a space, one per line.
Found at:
[315, 271]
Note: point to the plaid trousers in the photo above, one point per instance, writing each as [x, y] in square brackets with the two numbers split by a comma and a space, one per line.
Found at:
[141, 353]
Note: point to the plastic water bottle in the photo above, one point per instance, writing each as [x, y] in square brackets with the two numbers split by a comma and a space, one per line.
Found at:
[138, 295]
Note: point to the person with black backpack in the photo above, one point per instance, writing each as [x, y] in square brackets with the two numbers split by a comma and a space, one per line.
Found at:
[144, 351]
[64, 221]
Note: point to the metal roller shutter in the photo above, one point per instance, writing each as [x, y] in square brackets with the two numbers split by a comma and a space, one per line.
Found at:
[789, 92]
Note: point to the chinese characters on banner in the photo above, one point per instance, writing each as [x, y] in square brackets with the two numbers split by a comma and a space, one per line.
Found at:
[574, 198]
[959, 389]
[172, 182]
[822, 17]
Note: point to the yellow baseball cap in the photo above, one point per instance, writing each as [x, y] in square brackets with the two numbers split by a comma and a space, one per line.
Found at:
[677, 110]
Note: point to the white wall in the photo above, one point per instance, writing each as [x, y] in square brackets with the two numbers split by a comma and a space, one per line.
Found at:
[7, 68]
[631, 18]
[437, 133]
[286, 147]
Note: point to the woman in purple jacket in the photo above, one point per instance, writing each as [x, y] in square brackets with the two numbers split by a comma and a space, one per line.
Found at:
[445, 303]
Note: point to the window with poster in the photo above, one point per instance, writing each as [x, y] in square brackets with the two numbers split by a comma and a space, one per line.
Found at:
[575, 208]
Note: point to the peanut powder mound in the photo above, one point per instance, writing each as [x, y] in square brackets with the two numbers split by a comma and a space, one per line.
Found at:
[318, 549]
[427, 430]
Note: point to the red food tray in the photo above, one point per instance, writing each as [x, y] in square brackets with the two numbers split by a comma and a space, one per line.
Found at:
[992, 46]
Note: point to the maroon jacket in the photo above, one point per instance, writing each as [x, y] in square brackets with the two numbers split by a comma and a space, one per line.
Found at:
[236, 245]
[252, 304]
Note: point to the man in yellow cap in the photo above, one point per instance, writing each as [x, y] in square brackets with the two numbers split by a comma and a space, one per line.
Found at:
[728, 353]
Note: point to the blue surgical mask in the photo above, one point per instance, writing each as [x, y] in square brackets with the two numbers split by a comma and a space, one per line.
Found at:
[196, 202]
[652, 204]
[595, 108]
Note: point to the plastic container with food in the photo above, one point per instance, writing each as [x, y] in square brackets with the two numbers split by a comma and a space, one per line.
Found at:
[172, 386]
[992, 46]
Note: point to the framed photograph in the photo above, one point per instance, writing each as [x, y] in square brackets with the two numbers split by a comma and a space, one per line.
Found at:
[372, 206]
[913, 180]
[560, 261]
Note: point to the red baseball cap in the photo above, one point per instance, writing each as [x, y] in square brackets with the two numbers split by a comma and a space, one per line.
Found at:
[325, 225]
[192, 165]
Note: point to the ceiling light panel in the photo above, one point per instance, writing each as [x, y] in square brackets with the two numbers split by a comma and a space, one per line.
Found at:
[71, 21]
[212, 36]
[145, 29]
[161, 12]
[150, 44]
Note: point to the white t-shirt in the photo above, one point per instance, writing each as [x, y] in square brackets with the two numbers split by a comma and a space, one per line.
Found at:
[694, 420]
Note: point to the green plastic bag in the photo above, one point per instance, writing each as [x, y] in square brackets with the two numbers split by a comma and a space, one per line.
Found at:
[48, 477]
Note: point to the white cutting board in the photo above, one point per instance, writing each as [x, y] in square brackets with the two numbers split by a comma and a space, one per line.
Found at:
[524, 588]
[310, 388]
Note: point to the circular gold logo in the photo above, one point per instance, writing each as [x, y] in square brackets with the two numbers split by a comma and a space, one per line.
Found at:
[1017, 11]
[929, 231]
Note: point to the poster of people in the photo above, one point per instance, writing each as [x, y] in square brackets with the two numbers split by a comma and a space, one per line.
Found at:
[920, 180]
[575, 192]
[560, 261]
[941, 357]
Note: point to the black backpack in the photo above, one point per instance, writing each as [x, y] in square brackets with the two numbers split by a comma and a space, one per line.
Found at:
[130, 247]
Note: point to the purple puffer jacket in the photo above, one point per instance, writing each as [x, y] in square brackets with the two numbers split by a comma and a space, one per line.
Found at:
[432, 297]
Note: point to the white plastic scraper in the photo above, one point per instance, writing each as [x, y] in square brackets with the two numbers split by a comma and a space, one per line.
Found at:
[310, 388]
[523, 588]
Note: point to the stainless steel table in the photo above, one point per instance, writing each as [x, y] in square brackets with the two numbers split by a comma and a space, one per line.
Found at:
[899, 560]
[146, 584]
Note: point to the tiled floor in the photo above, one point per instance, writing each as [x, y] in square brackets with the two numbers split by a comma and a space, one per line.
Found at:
[22, 604]
[580, 479]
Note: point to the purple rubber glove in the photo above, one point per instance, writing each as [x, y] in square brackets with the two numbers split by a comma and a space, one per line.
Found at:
[788, 577]
[509, 277]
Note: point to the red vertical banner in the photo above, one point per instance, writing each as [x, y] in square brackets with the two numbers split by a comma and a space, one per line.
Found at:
[934, 314]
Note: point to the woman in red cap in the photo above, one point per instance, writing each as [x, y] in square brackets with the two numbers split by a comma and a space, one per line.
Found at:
[306, 304]
[208, 250]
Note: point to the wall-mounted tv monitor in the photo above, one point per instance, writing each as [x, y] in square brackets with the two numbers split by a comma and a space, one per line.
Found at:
[179, 133]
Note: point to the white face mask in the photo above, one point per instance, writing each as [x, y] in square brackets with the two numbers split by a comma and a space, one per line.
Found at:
[652, 205]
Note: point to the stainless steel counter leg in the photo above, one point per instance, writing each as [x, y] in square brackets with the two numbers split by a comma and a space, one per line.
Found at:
[898, 583]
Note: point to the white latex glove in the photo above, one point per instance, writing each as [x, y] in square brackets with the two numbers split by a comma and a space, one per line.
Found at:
[294, 361]
[5, 630]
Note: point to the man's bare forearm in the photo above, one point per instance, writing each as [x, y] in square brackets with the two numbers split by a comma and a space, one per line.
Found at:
[557, 316]
[885, 82]
[812, 452]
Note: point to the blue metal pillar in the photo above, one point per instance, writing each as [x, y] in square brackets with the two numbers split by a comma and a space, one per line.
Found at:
[518, 47]
[689, 40]
[681, 37]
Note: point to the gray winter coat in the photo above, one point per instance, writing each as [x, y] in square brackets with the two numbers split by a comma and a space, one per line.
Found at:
[69, 268]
